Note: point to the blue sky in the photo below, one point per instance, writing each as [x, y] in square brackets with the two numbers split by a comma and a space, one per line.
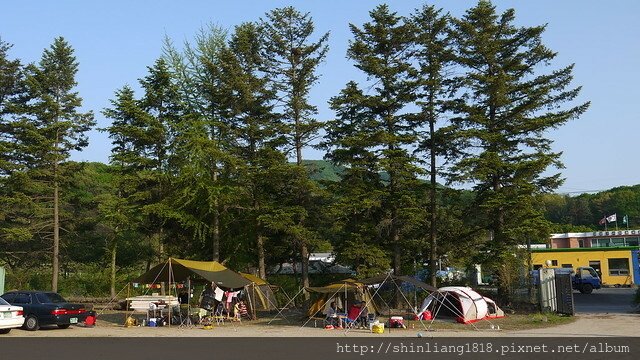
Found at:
[116, 40]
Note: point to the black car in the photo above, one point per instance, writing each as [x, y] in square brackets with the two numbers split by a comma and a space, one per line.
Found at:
[43, 308]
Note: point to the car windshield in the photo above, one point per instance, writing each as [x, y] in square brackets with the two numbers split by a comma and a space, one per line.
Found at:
[3, 302]
[46, 298]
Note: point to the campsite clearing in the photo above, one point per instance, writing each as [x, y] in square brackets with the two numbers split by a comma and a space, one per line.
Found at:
[514, 325]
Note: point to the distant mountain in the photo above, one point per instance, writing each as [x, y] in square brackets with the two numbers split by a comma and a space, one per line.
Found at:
[322, 170]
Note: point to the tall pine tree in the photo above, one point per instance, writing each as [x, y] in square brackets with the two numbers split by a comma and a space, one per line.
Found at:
[507, 107]
[433, 56]
[294, 57]
[54, 126]
[382, 49]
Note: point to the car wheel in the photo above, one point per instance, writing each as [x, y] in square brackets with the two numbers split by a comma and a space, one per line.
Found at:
[4, 331]
[31, 323]
[64, 326]
[586, 289]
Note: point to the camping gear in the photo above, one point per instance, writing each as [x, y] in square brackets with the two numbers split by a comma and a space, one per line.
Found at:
[181, 270]
[425, 315]
[396, 322]
[464, 304]
[130, 321]
[91, 319]
[377, 328]
[260, 293]
[343, 293]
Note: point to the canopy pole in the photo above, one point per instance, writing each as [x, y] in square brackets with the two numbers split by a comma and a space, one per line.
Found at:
[253, 309]
[127, 301]
[281, 310]
[169, 285]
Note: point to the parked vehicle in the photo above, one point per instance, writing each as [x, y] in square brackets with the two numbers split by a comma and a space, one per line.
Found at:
[42, 308]
[584, 279]
[10, 317]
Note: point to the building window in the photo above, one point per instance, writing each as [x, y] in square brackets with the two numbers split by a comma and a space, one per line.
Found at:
[581, 243]
[600, 243]
[595, 264]
[537, 267]
[554, 262]
[567, 266]
[619, 267]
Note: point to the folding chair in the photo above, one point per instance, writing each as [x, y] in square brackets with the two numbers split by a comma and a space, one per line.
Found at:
[331, 320]
[349, 323]
[220, 314]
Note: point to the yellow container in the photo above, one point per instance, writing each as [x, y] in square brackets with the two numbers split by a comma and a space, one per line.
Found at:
[377, 328]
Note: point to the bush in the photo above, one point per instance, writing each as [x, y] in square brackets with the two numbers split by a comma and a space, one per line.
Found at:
[81, 281]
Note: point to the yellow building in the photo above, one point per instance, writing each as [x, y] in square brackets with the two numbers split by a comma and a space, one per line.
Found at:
[616, 265]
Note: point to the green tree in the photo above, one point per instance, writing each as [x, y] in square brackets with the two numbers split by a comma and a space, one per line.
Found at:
[434, 55]
[293, 61]
[121, 207]
[16, 213]
[258, 132]
[200, 151]
[503, 115]
[381, 49]
[53, 125]
[358, 196]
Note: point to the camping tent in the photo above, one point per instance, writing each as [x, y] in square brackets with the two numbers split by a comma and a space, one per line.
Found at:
[261, 293]
[344, 292]
[463, 303]
[178, 270]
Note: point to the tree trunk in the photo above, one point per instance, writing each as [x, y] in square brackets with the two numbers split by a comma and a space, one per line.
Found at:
[216, 223]
[304, 253]
[114, 249]
[262, 269]
[433, 254]
[56, 235]
[397, 260]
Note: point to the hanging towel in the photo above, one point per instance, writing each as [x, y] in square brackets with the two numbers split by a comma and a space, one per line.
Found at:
[218, 294]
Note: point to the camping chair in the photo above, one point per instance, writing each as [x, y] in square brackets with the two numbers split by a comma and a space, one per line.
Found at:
[187, 319]
[220, 314]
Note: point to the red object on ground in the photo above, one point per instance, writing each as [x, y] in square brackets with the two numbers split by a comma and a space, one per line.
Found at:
[90, 320]
[426, 315]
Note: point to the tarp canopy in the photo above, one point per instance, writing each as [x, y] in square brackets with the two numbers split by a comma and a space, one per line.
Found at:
[463, 303]
[181, 270]
[348, 285]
